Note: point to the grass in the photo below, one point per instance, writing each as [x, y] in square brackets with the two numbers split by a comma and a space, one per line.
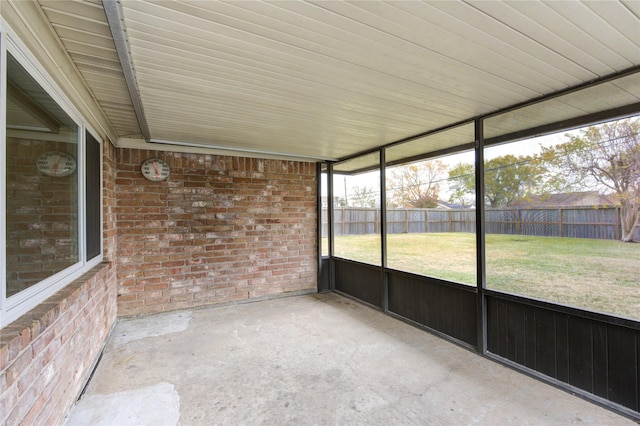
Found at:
[600, 275]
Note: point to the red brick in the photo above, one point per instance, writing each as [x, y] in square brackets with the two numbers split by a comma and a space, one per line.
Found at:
[8, 401]
[18, 367]
[219, 221]
[35, 376]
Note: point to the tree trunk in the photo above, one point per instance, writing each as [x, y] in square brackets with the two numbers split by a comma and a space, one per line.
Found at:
[630, 220]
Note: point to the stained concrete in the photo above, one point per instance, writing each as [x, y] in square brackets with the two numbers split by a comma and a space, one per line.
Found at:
[151, 405]
[309, 360]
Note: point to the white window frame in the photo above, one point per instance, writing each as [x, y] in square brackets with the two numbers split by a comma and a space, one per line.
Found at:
[11, 308]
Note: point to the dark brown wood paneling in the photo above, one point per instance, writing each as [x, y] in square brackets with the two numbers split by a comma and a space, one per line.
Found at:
[545, 335]
[530, 355]
[492, 324]
[515, 333]
[595, 353]
[324, 275]
[503, 323]
[599, 333]
[562, 345]
[580, 354]
[359, 280]
[623, 366]
[441, 306]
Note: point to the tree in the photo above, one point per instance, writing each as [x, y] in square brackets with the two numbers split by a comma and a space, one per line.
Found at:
[462, 184]
[416, 185]
[509, 178]
[605, 157]
[363, 196]
[506, 179]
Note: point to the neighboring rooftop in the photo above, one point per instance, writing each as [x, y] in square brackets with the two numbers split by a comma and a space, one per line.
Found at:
[569, 199]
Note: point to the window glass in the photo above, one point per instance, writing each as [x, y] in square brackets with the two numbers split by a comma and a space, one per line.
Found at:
[92, 187]
[356, 220]
[41, 183]
[561, 214]
[431, 217]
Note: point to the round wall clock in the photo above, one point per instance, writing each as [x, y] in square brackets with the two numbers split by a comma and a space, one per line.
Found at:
[155, 169]
[56, 163]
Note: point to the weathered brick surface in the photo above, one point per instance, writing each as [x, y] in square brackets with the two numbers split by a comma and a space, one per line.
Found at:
[41, 215]
[47, 354]
[109, 242]
[220, 229]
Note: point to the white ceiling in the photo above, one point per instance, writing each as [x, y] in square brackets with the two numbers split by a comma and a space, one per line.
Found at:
[327, 79]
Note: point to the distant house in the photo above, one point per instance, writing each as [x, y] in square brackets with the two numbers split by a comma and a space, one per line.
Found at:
[453, 206]
[569, 199]
[337, 202]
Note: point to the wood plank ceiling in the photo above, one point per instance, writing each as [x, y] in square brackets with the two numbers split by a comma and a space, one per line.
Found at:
[327, 79]
[83, 30]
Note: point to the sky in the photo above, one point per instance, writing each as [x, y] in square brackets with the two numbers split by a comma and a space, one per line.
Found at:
[525, 147]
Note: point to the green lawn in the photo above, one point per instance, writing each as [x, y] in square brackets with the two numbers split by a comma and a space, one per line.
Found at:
[600, 275]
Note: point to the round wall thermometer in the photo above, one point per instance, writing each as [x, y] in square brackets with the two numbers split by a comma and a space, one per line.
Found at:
[155, 169]
[56, 163]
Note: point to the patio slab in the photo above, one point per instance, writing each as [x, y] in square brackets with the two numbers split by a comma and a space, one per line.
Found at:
[309, 360]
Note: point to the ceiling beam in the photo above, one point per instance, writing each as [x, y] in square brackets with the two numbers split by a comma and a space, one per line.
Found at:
[116, 26]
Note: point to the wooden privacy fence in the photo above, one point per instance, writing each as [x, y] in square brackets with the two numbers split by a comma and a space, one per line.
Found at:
[574, 222]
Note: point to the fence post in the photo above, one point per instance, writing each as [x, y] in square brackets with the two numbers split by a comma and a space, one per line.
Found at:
[560, 222]
[406, 221]
[426, 221]
[518, 218]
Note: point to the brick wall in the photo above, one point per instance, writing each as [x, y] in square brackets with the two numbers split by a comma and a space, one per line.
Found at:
[47, 355]
[220, 229]
[41, 215]
[109, 230]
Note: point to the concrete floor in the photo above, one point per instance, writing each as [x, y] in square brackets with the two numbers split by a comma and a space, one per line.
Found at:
[309, 360]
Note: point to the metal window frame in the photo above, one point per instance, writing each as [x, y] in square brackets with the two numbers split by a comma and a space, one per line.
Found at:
[483, 295]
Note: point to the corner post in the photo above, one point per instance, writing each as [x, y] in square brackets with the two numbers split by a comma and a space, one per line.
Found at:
[481, 305]
[383, 231]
